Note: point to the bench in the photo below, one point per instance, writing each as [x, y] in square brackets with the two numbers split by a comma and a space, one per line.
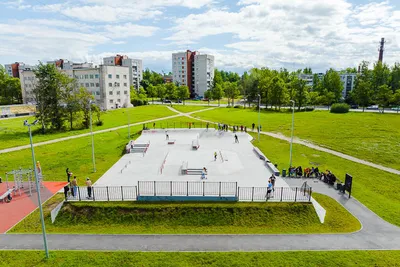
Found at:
[5, 195]
[184, 167]
[194, 171]
[259, 153]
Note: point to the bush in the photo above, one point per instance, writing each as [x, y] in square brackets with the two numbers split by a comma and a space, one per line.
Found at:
[139, 102]
[340, 108]
[99, 123]
[238, 106]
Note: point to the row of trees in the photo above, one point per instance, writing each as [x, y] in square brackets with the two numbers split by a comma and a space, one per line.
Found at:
[60, 101]
[380, 85]
[10, 89]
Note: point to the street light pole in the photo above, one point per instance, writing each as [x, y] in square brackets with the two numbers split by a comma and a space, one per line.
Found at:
[259, 123]
[129, 125]
[291, 139]
[38, 189]
[91, 133]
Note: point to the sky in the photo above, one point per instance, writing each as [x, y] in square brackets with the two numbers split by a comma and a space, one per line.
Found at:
[240, 34]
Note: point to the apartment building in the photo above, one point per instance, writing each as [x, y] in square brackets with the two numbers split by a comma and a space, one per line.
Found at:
[108, 84]
[194, 70]
[135, 67]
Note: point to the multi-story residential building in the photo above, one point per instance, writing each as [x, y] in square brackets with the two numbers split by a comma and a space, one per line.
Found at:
[135, 67]
[108, 84]
[13, 69]
[194, 70]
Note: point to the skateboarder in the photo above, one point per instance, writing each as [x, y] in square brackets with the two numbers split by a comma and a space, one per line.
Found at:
[215, 156]
[236, 139]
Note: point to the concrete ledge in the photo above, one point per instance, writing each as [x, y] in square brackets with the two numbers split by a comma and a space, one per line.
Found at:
[187, 198]
[321, 212]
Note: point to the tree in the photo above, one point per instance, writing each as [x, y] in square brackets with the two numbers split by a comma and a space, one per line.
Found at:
[152, 92]
[300, 92]
[362, 93]
[313, 98]
[218, 93]
[183, 93]
[380, 76]
[279, 95]
[171, 91]
[307, 71]
[384, 96]
[208, 95]
[264, 85]
[231, 91]
[85, 100]
[160, 91]
[10, 88]
[332, 84]
[396, 99]
[70, 99]
[395, 77]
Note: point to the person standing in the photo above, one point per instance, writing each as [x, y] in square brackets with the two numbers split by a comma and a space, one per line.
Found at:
[273, 179]
[269, 190]
[66, 189]
[154, 125]
[207, 125]
[245, 129]
[252, 126]
[236, 139]
[69, 174]
[74, 187]
[89, 188]
[166, 135]
[215, 156]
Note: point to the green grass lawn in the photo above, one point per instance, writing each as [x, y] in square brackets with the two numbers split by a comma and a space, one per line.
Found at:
[376, 189]
[189, 108]
[76, 154]
[191, 218]
[369, 136]
[202, 259]
[13, 133]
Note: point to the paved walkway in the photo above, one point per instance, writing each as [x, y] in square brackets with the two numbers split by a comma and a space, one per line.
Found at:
[375, 234]
[310, 145]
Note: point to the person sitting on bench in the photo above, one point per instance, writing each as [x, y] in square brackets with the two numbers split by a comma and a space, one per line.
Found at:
[307, 172]
[292, 171]
[299, 171]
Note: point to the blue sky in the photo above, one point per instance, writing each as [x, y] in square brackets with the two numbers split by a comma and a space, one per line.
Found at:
[240, 34]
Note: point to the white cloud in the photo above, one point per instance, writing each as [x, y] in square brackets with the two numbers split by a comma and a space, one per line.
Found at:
[130, 30]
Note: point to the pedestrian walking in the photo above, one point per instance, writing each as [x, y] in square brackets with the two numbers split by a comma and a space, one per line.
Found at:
[273, 179]
[154, 125]
[236, 139]
[203, 174]
[215, 156]
[207, 125]
[241, 128]
[166, 135]
[252, 126]
[69, 174]
[269, 190]
[245, 129]
[89, 188]
[74, 186]
[190, 125]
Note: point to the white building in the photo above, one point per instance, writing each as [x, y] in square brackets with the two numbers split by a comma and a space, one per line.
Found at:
[108, 84]
[348, 80]
[194, 70]
[135, 67]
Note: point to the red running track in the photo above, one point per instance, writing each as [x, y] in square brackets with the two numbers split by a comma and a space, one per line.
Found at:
[22, 205]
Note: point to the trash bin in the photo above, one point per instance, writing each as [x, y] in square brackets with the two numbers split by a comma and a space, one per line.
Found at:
[283, 173]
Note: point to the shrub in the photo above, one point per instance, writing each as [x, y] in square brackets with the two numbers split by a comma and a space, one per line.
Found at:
[139, 102]
[238, 106]
[340, 108]
[99, 123]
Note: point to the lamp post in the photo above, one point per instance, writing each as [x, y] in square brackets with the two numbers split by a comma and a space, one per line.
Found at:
[291, 138]
[259, 123]
[37, 187]
[91, 133]
[129, 124]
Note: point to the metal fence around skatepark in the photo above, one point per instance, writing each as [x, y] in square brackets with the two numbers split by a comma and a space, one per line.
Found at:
[193, 189]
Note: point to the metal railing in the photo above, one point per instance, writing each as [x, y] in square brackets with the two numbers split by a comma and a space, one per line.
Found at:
[278, 194]
[105, 193]
[187, 188]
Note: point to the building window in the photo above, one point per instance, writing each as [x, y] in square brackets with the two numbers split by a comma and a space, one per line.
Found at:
[118, 93]
[96, 76]
[109, 76]
[110, 84]
[97, 92]
[119, 100]
[97, 85]
[183, 67]
[86, 85]
[125, 84]
[86, 76]
[82, 84]
[110, 92]
[91, 76]
[124, 76]
[125, 92]
[117, 76]
[91, 84]
[111, 101]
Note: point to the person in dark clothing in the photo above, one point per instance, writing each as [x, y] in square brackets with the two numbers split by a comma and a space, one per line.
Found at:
[245, 129]
[252, 126]
[66, 189]
[207, 125]
[154, 125]
[236, 139]
[69, 174]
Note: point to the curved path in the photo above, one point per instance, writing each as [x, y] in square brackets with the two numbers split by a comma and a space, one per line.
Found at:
[310, 145]
[376, 234]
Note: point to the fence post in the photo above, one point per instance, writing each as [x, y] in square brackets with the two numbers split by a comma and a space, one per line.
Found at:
[122, 193]
[171, 188]
[138, 189]
[295, 196]
[238, 197]
[219, 189]
[137, 192]
[236, 193]
[252, 195]
[281, 193]
[204, 184]
[93, 193]
[108, 197]
[187, 188]
[155, 188]
[309, 196]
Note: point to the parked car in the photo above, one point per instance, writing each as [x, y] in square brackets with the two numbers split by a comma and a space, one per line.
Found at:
[396, 108]
[178, 101]
[354, 106]
[166, 101]
[373, 107]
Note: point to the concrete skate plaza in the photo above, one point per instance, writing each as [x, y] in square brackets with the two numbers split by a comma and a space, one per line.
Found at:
[236, 162]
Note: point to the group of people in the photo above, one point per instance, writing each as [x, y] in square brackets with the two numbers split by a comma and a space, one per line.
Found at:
[72, 186]
[223, 127]
[308, 172]
[241, 127]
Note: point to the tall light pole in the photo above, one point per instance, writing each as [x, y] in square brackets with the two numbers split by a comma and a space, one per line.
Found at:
[291, 139]
[38, 188]
[129, 124]
[91, 133]
[259, 123]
